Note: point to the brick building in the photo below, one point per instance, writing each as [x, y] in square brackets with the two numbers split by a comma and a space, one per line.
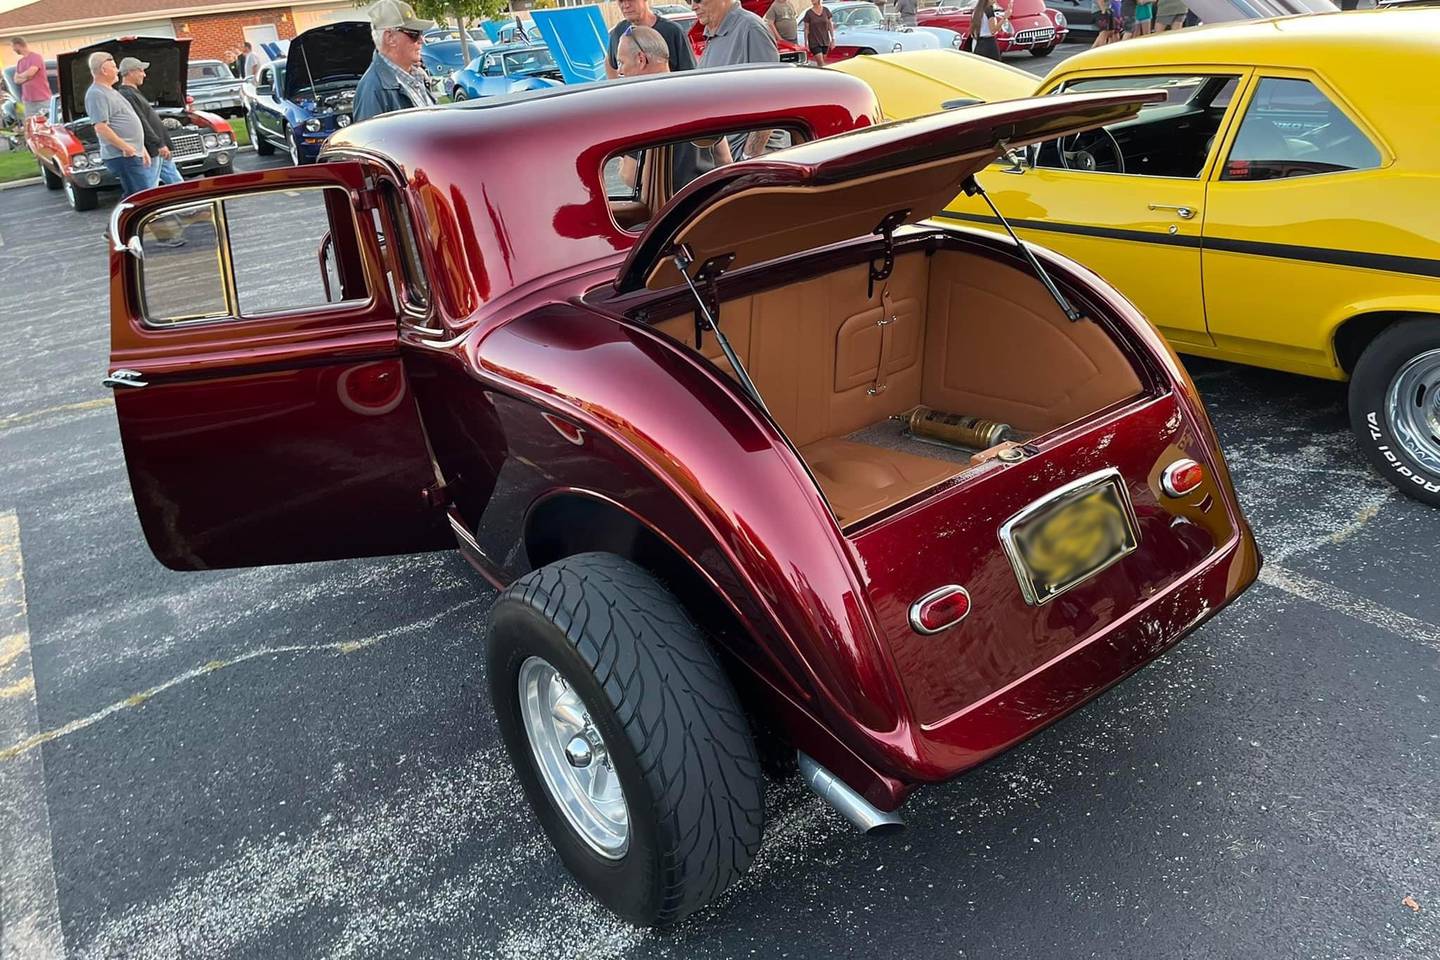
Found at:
[55, 26]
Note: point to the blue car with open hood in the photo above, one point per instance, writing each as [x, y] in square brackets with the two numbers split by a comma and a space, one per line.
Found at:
[295, 103]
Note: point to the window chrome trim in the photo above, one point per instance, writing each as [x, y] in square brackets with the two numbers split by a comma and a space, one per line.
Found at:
[1068, 491]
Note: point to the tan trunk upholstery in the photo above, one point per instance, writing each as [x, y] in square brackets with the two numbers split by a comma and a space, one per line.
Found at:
[964, 334]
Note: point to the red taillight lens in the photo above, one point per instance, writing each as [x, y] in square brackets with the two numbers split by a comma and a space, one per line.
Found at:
[939, 609]
[1181, 477]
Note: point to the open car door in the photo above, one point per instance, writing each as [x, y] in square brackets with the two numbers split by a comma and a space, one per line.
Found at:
[263, 407]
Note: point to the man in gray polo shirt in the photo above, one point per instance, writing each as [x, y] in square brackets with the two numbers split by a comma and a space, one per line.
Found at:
[734, 35]
[122, 137]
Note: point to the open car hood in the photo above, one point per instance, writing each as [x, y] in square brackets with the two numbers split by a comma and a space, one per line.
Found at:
[332, 52]
[164, 83]
[845, 186]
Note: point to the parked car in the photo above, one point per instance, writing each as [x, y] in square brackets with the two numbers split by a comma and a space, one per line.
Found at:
[298, 101]
[214, 88]
[506, 68]
[1275, 210]
[444, 53]
[67, 148]
[1078, 17]
[1024, 24]
[662, 421]
[861, 30]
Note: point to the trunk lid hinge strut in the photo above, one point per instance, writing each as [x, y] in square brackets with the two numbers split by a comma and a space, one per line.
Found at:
[886, 229]
[705, 319]
[973, 188]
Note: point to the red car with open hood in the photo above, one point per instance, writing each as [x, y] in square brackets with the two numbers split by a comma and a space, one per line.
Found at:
[767, 466]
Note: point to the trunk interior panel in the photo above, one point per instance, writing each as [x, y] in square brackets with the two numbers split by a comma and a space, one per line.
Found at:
[963, 334]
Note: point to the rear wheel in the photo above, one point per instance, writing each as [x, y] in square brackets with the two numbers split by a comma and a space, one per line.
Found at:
[81, 198]
[1395, 406]
[865, 52]
[53, 181]
[627, 736]
[459, 94]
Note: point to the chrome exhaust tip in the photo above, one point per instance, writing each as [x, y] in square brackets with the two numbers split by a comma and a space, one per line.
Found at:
[853, 807]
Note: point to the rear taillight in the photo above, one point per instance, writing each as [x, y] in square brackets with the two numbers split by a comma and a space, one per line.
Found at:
[1181, 477]
[939, 609]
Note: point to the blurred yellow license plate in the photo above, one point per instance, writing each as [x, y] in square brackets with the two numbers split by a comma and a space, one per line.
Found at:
[1070, 535]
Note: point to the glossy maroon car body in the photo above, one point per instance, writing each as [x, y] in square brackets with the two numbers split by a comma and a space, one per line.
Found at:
[530, 412]
[1027, 24]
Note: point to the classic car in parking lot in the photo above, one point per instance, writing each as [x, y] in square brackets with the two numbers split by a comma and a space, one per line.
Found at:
[679, 424]
[506, 68]
[213, 88]
[1277, 209]
[296, 102]
[861, 30]
[445, 52]
[1024, 24]
[67, 148]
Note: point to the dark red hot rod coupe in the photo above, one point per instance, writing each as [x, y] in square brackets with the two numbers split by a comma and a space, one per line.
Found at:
[683, 418]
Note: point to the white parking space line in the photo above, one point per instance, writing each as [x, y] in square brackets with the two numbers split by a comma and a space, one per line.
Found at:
[1360, 608]
[29, 904]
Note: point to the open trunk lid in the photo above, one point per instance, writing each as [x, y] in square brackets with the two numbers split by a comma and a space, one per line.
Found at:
[842, 187]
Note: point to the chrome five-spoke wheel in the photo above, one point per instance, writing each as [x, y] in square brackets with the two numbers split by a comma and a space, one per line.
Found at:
[1412, 406]
[573, 759]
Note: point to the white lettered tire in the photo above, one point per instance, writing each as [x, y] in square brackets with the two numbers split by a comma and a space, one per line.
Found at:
[1395, 406]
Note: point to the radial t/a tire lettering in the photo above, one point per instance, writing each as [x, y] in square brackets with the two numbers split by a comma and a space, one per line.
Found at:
[1395, 406]
[656, 705]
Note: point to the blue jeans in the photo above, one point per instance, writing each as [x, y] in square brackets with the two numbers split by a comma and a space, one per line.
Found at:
[165, 171]
[132, 173]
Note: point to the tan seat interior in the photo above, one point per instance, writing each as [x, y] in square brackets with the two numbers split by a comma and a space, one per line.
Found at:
[962, 334]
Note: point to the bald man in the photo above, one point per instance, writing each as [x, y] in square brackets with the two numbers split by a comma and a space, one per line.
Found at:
[642, 51]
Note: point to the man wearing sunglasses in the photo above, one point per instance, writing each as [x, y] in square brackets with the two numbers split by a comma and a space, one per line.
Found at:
[395, 79]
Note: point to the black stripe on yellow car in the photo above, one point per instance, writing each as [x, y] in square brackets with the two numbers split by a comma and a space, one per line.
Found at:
[1416, 266]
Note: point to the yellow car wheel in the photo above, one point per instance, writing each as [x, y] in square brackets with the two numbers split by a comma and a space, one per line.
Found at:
[1395, 406]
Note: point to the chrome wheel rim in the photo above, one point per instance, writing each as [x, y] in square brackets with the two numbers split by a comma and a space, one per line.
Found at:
[574, 762]
[294, 150]
[1413, 409]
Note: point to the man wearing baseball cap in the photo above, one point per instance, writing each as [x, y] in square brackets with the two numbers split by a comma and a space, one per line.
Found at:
[395, 80]
[157, 140]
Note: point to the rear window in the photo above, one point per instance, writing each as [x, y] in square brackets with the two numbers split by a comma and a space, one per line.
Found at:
[208, 71]
[1292, 129]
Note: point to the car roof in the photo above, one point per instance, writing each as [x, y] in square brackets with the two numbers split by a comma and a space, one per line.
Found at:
[513, 185]
[1324, 41]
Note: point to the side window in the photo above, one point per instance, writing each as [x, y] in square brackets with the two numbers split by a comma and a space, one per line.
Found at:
[1168, 139]
[1292, 129]
[263, 80]
[251, 256]
[638, 181]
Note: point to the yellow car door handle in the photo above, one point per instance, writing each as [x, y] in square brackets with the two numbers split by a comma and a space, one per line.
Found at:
[1185, 212]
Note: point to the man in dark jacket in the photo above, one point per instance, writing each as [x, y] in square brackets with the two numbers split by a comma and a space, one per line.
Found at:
[157, 140]
[395, 80]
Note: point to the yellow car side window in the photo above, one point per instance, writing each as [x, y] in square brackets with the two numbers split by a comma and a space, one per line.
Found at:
[1169, 139]
[1292, 129]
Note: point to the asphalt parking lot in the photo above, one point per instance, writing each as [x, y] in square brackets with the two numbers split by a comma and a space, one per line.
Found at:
[301, 762]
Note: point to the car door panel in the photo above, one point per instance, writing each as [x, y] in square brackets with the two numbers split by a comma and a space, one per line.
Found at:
[278, 438]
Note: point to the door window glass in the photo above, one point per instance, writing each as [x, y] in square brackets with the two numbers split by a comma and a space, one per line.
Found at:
[1292, 129]
[251, 255]
[183, 268]
[1167, 139]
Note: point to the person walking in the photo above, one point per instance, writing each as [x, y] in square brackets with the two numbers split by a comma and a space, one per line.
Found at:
[1170, 14]
[394, 80]
[984, 24]
[1144, 18]
[907, 10]
[781, 18]
[819, 31]
[117, 125]
[157, 139]
[31, 78]
[1106, 30]
[637, 13]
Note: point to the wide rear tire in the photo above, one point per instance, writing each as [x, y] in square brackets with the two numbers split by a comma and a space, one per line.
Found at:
[1395, 406]
[659, 712]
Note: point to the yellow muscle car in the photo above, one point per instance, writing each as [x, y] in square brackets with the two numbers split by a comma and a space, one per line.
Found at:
[1281, 208]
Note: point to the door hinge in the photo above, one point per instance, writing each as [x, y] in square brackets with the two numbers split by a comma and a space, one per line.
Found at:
[436, 495]
[708, 279]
